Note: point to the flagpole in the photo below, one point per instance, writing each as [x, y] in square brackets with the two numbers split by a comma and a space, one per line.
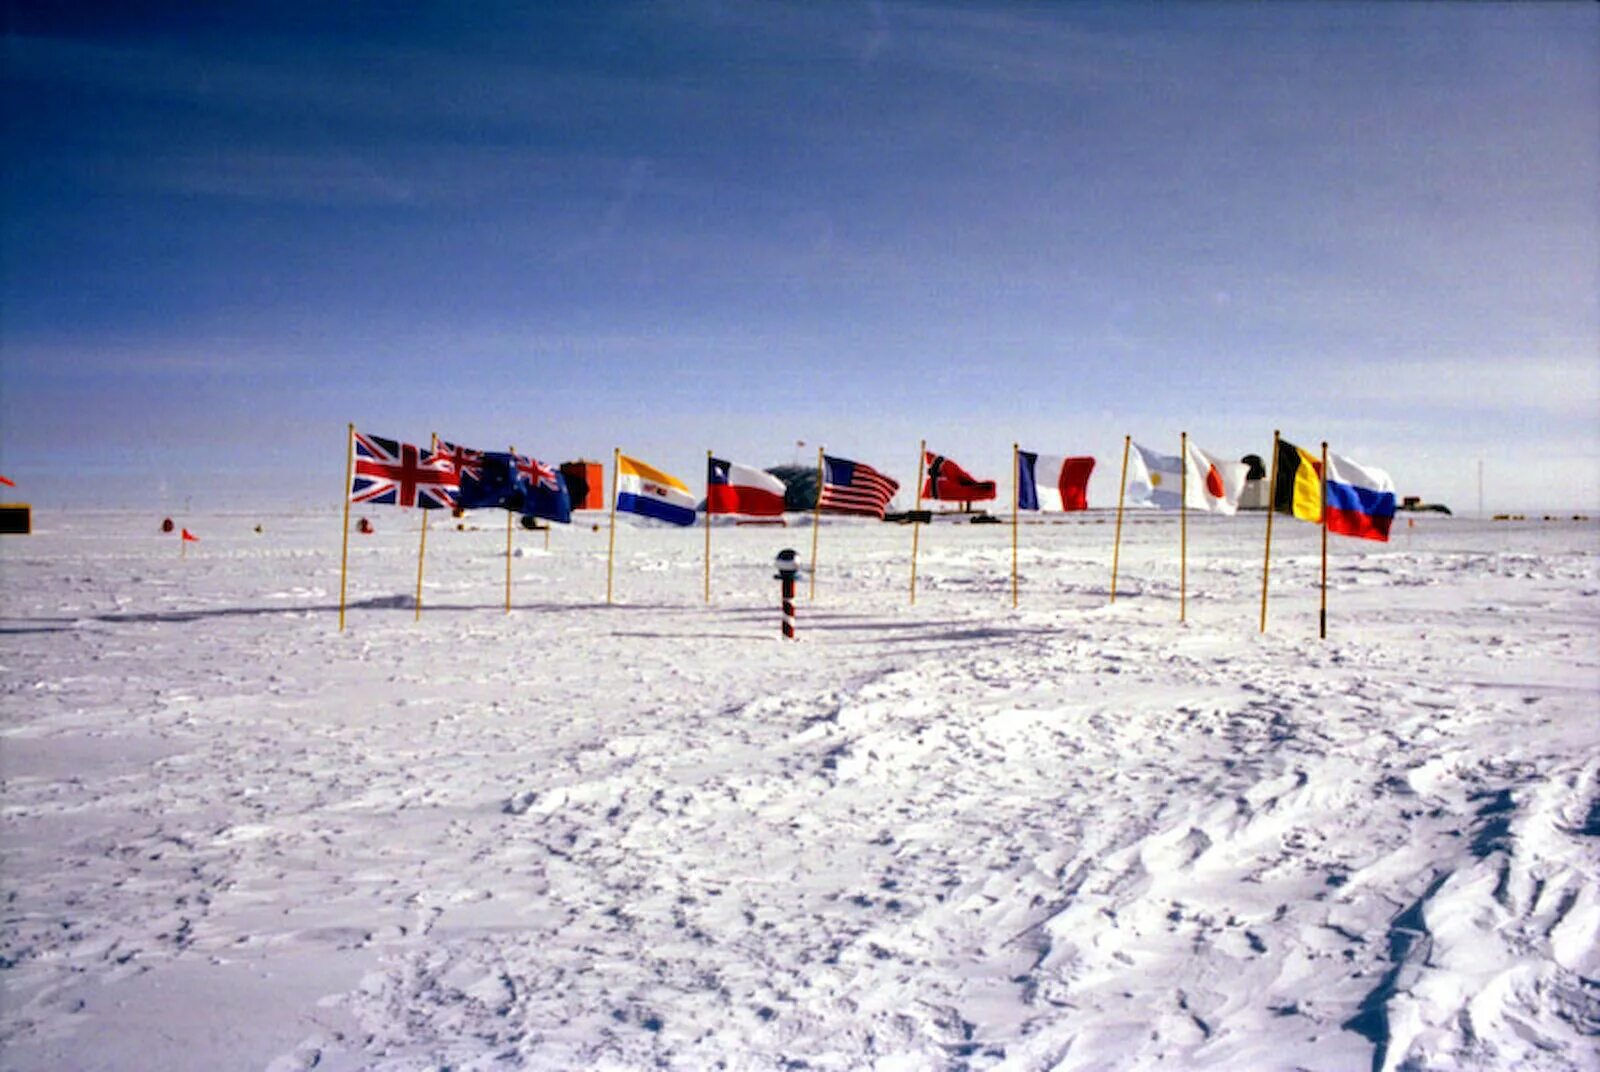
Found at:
[816, 524]
[1122, 490]
[422, 547]
[344, 554]
[1272, 502]
[1183, 525]
[1322, 617]
[916, 525]
[1016, 497]
[509, 523]
[611, 545]
[708, 526]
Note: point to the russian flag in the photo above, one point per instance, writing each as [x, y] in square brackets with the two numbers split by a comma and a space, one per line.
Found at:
[1360, 499]
[732, 488]
[1050, 482]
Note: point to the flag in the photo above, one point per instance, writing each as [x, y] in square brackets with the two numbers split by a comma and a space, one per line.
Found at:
[732, 488]
[7, 481]
[1158, 480]
[1360, 499]
[189, 537]
[854, 488]
[1049, 482]
[387, 471]
[505, 481]
[644, 489]
[1214, 484]
[1297, 483]
[948, 482]
[489, 481]
[544, 490]
[463, 460]
[1155, 479]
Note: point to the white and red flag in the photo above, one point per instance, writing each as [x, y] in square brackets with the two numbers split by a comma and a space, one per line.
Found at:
[1214, 484]
[732, 488]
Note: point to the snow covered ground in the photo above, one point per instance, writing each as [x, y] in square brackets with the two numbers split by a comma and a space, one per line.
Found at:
[945, 836]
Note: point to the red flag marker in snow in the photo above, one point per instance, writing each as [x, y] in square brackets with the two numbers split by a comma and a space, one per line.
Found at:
[190, 537]
[184, 541]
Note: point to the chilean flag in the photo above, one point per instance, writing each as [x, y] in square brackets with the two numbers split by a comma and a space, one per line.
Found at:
[1048, 482]
[1360, 499]
[732, 488]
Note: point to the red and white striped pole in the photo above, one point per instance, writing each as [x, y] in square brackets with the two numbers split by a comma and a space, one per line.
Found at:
[788, 569]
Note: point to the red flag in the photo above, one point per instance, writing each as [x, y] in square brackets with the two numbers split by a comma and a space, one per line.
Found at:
[7, 481]
[948, 481]
[189, 537]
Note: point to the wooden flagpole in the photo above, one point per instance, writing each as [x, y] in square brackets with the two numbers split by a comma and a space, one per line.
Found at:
[344, 554]
[1122, 491]
[1183, 526]
[422, 546]
[816, 525]
[510, 520]
[708, 526]
[916, 525]
[1016, 497]
[1322, 617]
[1272, 499]
[611, 544]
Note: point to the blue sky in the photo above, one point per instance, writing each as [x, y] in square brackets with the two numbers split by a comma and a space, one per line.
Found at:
[674, 227]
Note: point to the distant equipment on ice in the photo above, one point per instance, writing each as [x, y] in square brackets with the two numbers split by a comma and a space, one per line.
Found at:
[16, 519]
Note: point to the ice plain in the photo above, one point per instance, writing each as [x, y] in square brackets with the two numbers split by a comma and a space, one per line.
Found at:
[948, 835]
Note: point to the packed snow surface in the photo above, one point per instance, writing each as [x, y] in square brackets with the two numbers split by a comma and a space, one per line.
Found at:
[943, 835]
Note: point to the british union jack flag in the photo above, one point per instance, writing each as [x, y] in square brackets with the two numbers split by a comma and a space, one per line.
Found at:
[394, 473]
[465, 461]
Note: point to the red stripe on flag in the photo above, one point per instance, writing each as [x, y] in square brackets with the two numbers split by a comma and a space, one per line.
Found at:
[1355, 523]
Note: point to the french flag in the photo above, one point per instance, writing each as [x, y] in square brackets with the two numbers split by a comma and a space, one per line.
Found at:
[1047, 482]
[732, 488]
[1360, 499]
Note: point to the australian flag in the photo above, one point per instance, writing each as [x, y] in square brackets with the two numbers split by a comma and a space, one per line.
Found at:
[514, 482]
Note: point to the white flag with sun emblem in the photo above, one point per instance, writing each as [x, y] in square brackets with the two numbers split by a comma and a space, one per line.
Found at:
[1154, 479]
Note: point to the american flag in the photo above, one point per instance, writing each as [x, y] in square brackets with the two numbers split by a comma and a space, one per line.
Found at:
[854, 488]
[387, 471]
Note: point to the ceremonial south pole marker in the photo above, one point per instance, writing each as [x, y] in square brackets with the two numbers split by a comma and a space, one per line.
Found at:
[788, 569]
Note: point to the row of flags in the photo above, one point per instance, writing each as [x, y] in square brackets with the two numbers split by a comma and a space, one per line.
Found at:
[1360, 499]
[1337, 493]
[448, 476]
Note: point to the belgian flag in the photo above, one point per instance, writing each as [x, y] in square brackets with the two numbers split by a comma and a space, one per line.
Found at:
[1297, 483]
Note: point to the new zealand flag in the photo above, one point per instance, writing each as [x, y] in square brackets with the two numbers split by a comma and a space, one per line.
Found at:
[517, 483]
